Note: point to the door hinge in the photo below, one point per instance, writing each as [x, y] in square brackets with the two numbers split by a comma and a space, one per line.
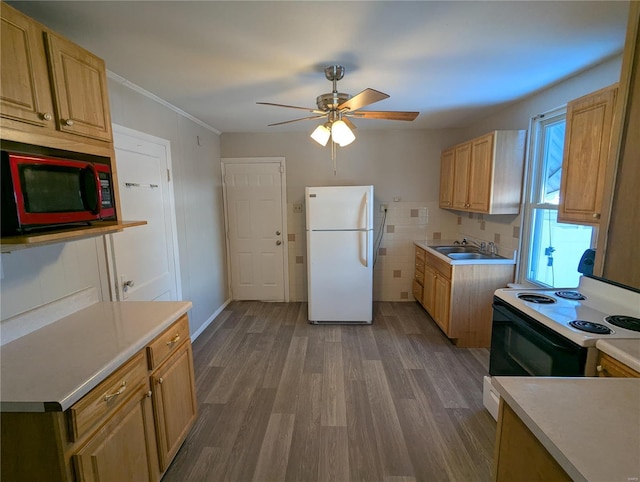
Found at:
[281, 168]
[168, 175]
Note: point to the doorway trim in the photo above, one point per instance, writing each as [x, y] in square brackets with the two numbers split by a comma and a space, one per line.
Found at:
[283, 198]
[108, 243]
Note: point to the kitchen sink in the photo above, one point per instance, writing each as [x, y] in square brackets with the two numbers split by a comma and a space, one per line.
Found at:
[476, 255]
[455, 249]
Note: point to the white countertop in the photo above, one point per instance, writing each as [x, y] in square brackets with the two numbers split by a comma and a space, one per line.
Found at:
[426, 245]
[52, 368]
[625, 351]
[590, 426]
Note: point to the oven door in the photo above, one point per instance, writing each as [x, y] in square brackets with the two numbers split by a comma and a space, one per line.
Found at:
[521, 346]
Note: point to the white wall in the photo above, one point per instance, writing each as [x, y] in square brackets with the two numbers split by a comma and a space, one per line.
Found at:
[402, 164]
[195, 156]
[505, 230]
[406, 165]
[38, 276]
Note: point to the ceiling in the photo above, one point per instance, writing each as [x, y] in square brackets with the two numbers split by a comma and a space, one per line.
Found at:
[453, 61]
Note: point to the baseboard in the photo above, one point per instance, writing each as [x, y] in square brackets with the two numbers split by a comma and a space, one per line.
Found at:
[206, 324]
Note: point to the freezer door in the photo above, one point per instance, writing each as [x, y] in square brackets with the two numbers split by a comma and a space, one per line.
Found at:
[339, 207]
[340, 276]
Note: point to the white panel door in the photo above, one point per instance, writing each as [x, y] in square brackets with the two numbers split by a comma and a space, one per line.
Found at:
[254, 204]
[144, 261]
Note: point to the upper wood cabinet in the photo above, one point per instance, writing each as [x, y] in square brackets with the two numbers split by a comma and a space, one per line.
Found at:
[461, 162]
[25, 95]
[446, 178]
[586, 153]
[487, 174]
[55, 92]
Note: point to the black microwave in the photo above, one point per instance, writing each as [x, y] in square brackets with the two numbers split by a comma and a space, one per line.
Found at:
[48, 192]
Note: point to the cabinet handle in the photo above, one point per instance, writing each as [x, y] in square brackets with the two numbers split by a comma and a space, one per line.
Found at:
[46, 116]
[68, 122]
[174, 340]
[601, 369]
[109, 396]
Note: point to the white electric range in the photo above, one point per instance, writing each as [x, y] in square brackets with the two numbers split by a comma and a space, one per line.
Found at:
[553, 332]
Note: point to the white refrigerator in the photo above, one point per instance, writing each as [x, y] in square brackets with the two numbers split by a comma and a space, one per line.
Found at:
[340, 254]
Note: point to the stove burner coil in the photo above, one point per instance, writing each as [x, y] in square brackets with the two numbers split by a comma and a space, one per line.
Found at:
[623, 321]
[591, 327]
[533, 298]
[571, 295]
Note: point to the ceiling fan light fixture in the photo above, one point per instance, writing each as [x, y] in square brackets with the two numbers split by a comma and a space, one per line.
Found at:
[321, 134]
[341, 134]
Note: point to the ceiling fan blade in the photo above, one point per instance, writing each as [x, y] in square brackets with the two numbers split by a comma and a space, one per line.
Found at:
[350, 124]
[388, 115]
[308, 109]
[296, 120]
[364, 98]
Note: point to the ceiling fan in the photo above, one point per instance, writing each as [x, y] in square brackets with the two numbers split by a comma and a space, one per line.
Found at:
[337, 108]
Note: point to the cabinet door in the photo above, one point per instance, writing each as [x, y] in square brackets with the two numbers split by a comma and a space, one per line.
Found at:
[442, 299]
[24, 85]
[429, 288]
[124, 449]
[80, 89]
[174, 400]
[446, 178]
[461, 162]
[481, 174]
[586, 149]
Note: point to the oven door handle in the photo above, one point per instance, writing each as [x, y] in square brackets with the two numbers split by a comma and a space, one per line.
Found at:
[524, 326]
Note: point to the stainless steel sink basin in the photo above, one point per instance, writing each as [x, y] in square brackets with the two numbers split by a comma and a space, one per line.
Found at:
[473, 256]
[455, 249]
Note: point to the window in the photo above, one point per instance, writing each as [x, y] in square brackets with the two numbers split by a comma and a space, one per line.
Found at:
[551, 250]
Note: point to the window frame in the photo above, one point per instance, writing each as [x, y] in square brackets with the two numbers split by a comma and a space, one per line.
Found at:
[532, 187]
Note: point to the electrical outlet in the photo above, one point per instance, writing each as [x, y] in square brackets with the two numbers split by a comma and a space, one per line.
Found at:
[383, 208]
[297, 208]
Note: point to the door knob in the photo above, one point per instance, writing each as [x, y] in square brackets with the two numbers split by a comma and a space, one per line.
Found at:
[277, 233]
[127, 284]
[278, 243]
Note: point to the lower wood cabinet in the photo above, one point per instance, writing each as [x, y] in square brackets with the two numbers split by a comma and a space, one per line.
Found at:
[124, 449]
[174, 403]
[459, 297]
[126, 429]
[519, 455]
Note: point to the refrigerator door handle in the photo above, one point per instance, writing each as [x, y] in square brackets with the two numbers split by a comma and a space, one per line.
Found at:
[366, 250]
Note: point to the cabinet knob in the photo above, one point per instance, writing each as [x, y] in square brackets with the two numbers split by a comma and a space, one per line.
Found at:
[160, 380]
[149, 393]
[68, 122]
[278, 243]
[277, 233]
[596, 215]
[46, 116]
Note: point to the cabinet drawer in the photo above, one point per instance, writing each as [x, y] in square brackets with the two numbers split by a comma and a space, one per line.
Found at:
[107, 397]
[610, 367]
[160, 348]
[439, 265]
[417, 290]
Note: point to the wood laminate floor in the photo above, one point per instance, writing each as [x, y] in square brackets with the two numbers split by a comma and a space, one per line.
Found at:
[280, 399]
